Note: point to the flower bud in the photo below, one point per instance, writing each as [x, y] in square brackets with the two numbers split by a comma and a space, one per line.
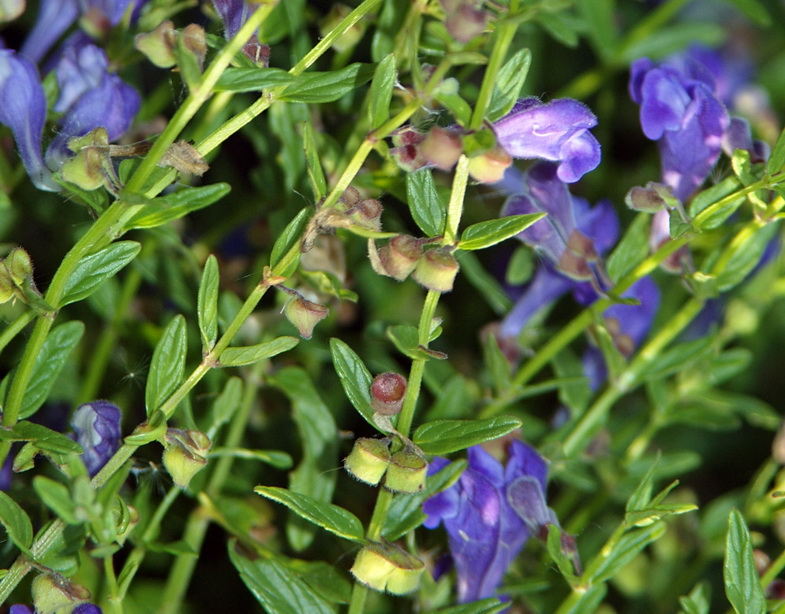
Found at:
[406, 152]
[442, 148]
[399, 257]
[7, 285]
[305, 315]
[11, 9]
[406, 472]
[436, 270]
[194, 41]
[19, 265]
[368, 460]
[465, 22]
[387, 392]
[53, 592]
[489, 167]
[387, 567]
[350, 197]
[159, 45]
[185, 454]
[651, 198]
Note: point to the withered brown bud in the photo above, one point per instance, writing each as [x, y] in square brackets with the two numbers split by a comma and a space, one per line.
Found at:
[436, 270]
[387, 393]
[442, 148]
[399, 257]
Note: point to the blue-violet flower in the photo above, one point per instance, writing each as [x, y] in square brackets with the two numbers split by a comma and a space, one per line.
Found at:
[97, 429]
[489, 514]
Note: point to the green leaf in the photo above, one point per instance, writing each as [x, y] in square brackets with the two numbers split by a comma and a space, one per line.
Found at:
[207, 304]
[274, 458]
[95, 269]
[508, 84]
[407, 340]
[632, 249]
[600, 19]
[425, 205]
[697, 602]
[330, 517]
[491, 605]
[455, 104]
[575, 392]
[355, 378]
[381, 91]
[167, 365]
[445, 436]
[745, 258]
[754, 9]
[560, 27]
[626, 549]
[676, 37]
[556, 552]
[226, 403]
[589, 600]
[45, 439]
[174, 206]
[276, 588]
[252, 79]
[488, 286]
[742, 582]
[405, 513]
[313, 162]
[48, 365]
[237, 356]
[491, 232]
[777, 157]
[713, 195]
[57, 497]
[641, 497]
[316, 474]
[16, 523]
[288, 239]
[678, 357]
[316, 87]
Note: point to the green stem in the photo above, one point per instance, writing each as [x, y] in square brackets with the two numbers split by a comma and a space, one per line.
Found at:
[198, 522]
[197, 97]
[15, 327]
[137, 555]
[111, 580]
[455, 206]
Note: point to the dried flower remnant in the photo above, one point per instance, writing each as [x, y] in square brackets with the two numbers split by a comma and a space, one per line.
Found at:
[387, 393]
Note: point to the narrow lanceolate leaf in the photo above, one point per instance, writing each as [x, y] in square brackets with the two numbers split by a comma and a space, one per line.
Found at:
[313, 161]
[174, 206]
[328, 516]
[16, 523]
[508, 86]
[355, 378]
[286, 241]
[57, 498]
[425, 204]
[381, 91]
[167, 365]
[43, 438]
[742, 583]
[626, 549]
[777, 158]
[277, 588]
[491, 605]
[207, 304]
[491, 232]
[315, 87]
[48, 365]
[445, 436]
[252, 79]
[249, 354]
[95, 269]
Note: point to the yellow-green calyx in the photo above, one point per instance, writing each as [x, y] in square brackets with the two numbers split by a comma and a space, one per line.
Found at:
[385, 567]
[406, 472]
[185, 454]
[368, 459]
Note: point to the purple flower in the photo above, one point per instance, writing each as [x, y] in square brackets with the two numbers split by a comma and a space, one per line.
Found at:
[90, 97]
[86, 608]
[21, 609]
[234, 13]
[23, 110]
[97, 429]
[557, 131]
[681, 110]
[489, 514]
[56, 16]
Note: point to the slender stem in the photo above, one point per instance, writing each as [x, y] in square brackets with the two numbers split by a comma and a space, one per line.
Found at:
[111, 580]
[15, 327]
[455, 206]
[198, 522]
